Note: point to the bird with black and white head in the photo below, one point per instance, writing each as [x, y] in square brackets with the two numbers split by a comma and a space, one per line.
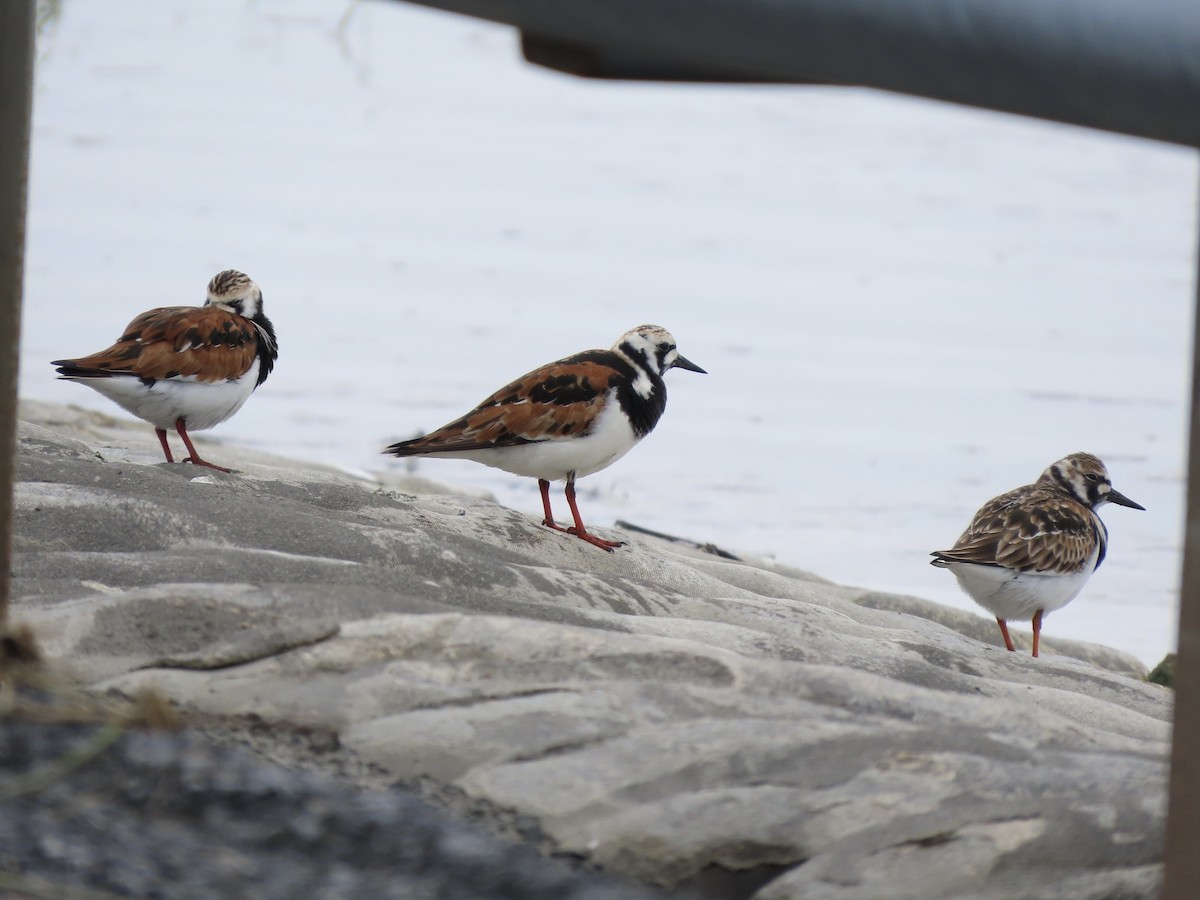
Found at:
[186, 367]
[1030, 551]
[567, 419]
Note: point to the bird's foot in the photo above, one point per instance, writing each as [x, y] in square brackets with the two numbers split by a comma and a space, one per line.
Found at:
[197, 461]
[610, 546]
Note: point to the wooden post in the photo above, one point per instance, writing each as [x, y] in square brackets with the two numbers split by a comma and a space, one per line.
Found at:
[1182, 876]
[16, 105]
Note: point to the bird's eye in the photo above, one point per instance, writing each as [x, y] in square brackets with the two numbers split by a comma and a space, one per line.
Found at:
[664, 346]
[1092, 477]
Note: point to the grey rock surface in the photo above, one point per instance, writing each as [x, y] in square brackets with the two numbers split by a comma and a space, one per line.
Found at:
[660, 711]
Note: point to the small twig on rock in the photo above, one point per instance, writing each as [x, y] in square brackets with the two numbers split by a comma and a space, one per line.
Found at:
[32, 691]
[706, 548]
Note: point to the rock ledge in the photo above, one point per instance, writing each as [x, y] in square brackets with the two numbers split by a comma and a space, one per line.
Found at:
[661, 711]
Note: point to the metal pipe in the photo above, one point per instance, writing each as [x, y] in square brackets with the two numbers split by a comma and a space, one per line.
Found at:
[1181, 880]
[1111, 64]
[16, 107]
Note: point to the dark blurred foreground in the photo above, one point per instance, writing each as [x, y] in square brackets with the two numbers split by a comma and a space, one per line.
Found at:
[94, 812]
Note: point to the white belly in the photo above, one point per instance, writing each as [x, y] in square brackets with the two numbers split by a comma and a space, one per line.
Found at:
[201, 404]
[1018, 595]
[611, 438]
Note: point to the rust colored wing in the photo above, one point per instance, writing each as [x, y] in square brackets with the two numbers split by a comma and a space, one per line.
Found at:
[209, 343]
[1028, 530]
[559, 400]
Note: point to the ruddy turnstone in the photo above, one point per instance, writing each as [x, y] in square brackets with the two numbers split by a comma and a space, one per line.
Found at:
[1031, 551]
[568, 419]
[186, 367]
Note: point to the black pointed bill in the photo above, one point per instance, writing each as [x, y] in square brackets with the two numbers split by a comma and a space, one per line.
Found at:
[1114, 496]
[683, 363]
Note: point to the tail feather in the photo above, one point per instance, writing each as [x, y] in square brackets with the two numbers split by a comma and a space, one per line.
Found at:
[68, 368]
[406, 448]
[945, 559]
[940, 559]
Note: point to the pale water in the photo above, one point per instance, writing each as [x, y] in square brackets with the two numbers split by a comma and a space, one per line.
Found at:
[905, 307]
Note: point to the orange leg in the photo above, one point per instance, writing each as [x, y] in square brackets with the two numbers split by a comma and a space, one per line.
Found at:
[578, 530]
[1004, 631]
[162, 439]
[194, 457]
[544, 487]
[1037, 630]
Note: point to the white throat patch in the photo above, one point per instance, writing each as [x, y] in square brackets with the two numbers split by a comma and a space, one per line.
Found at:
[642, 385]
